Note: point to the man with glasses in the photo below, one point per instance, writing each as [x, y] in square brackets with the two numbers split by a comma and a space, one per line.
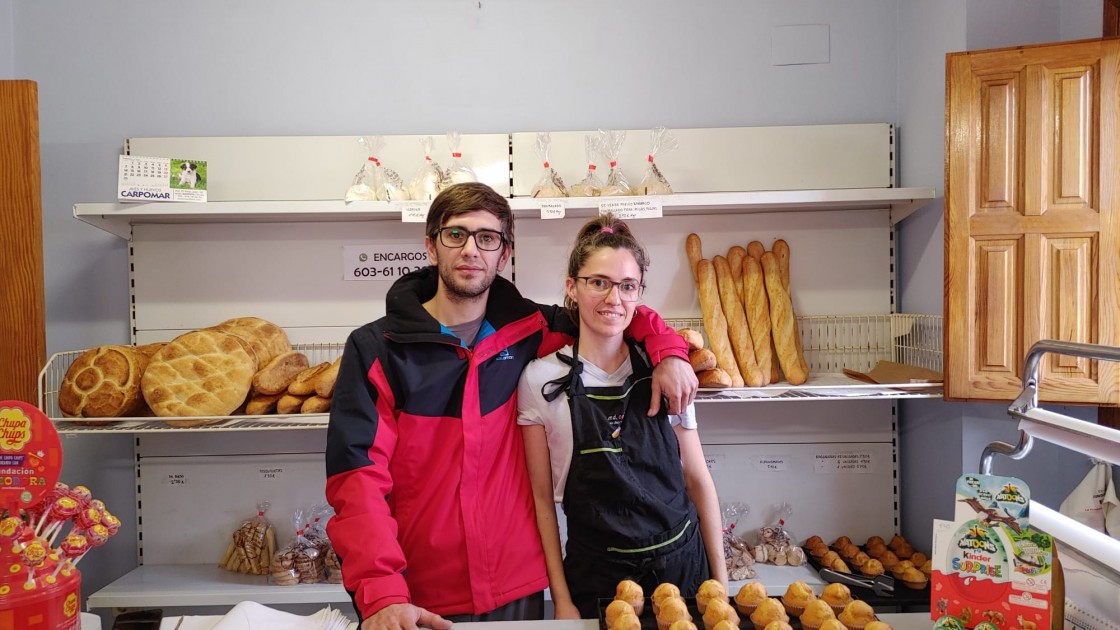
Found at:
[425, 463]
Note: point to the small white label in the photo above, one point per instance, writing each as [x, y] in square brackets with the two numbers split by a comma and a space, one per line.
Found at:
[175, 480]
[413, 211]
[714, 462]
[627, 208]
[271, 474]
[383, 263]
[553, 208]
[771, 463]
[851, 463]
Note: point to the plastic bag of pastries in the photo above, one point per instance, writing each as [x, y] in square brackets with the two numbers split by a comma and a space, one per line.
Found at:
[299, 561]
[591, 184]
[252, 545]
[661, 141]
[776, 545]
[617, 184]
[375, 181]
[550, 183]
[736, 551]
[429, 178]
[458, 170]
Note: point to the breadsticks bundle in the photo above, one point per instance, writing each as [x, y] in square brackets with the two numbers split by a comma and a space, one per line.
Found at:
[251, 546]
[748, 314]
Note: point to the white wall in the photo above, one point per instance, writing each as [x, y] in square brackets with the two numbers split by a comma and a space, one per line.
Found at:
[7, 63]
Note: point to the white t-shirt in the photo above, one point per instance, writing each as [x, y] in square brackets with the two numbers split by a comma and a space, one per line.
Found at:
[556, 416]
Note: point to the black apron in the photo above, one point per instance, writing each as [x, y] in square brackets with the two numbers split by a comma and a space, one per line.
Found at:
[628, 513]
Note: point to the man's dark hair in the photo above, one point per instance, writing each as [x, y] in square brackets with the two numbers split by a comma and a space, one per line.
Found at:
[469, 197]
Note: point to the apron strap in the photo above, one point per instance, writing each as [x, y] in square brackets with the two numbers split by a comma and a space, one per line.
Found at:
[552, 389]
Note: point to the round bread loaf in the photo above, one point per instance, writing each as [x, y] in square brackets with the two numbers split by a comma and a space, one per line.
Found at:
[200, 373]
[267, 339]
[103, 382]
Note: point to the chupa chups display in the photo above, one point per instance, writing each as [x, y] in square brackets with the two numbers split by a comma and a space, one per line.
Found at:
[617, 184]
[550, 184]
[46, 527]
[661, 141]
[989, 568]
[591, 184]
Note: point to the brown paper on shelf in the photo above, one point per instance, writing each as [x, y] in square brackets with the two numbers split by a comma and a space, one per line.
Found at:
[889, 372]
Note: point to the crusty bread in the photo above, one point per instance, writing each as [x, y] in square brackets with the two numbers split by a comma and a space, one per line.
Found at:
[715, 324]
[783, 323]
[738, 333]
[275, 377]
[714, 377]
[315, 404]
[267, 339]
[757, 307]
[150, 349]
[324, 382]
[200, 373]
[702, 359]
[303, 384]
[289, 404]
[692, 337]
[694, 251]
[103, 382]
[755, 249]
[261, 404]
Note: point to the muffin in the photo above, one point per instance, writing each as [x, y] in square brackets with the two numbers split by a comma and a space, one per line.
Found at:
[914, 578]
[816, 612]
[927, 568]
[872, 568]
[663, 591]
[897, 541]
[750, 595]
[709, 590]
[877, 625]
[832, 624]
[771, 609]
[918, 558]
[683, 624]
[672, 609]
[904, 550]
[841, 542]
[797, 595]
[615, 609]
[860, 559]
[812, 541]
[877, 551]
[837, 595]
[889, 559]
[828, 558]
[718, 611]
[777, 625]
[724, 624]
[875, 540]
[818, 551]
[630, 592]
[847, 552]
[839, 566]
[901, 566]
[626, 621]
[856, 615]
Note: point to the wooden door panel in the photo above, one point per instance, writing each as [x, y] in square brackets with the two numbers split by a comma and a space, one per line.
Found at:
[1069, 280]
[1069, 181]
[998, 308]
[997, 129]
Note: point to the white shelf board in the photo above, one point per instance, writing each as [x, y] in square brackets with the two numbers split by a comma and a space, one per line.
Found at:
[206, 585]
[118, 218]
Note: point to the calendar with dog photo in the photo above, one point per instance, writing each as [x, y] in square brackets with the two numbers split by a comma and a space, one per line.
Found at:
[188, 174]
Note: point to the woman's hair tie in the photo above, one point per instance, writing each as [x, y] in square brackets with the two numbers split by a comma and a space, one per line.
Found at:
[606, 229]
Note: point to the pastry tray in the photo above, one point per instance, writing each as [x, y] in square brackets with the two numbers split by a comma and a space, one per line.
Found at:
[903, 596]
[649, 621]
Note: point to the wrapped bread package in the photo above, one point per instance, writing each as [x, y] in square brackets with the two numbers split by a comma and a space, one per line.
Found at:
[617, 184]
[591, 185]
[375, 182]
[429, 178]
[550, 184]
[252, 545]
[661, 141]
[458, 170]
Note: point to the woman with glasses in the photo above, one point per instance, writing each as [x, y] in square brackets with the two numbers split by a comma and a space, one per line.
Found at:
[639, 500]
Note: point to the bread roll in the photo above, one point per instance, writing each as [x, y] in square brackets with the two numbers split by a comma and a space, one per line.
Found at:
[315, 404]
[757, 307]
[714, 378]
[695, 253]
[755, 250]
[693, 338]
[275, 377]
[289, 404]
[261, 404]
[737, 331]
[303, 384]
[714, 322]
[702, 359]
[781, 250]
[200, 373]
[324, 382]
[783, 325]
[103, 382]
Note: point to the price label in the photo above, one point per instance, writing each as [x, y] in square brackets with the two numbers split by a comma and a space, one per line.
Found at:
[844, 463]
[413, 211]
[627, 208]
[175, 480]
[553, 208]
[771, 463]
[714, 462]
[383, 263]
[271, 474]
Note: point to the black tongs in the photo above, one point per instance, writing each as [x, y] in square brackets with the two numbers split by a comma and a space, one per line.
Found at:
[882, 585]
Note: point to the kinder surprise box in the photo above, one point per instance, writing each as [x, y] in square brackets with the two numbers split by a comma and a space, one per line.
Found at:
[990, 569]
[39, 584]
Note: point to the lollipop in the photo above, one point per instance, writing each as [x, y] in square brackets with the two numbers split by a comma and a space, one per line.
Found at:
[81, 494]
[111, 522]
[63, 510]
[96, 536]
[43, 508]
[87, 518]
[33, 555]
[73, 546]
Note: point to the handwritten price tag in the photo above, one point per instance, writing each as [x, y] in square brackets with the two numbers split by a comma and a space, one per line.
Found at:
[553, 208]
[413, 211]
[627, 208]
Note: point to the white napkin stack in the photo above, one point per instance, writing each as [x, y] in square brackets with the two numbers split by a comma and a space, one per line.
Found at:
[254, 616]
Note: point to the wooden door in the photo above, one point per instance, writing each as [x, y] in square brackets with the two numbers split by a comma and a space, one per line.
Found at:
[1031, 218]
[23, 342]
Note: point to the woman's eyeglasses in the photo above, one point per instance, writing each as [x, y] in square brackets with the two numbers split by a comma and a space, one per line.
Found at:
[628, 290]
[486, 240]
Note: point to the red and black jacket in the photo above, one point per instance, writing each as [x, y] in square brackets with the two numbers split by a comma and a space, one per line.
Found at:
[425, 464]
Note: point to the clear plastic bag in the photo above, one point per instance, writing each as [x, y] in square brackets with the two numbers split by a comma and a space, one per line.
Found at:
[661, 141]
[252, 545]
[429, 178]
[776, 544]
[616, 185]
[591, 185]
[299, 561]
[458, 170]
[363, 187]
[373, 181]
[736, 551]
[550, 184]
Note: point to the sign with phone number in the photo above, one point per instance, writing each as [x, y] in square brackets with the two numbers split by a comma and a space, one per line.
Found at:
[383, 263]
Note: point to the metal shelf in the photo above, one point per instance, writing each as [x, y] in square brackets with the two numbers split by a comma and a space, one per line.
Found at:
[118, 218]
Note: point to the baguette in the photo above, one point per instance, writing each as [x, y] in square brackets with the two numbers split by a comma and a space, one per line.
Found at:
[783, 324]
[714, 377]
[693, 338]
[274, 377]
[324, 382]
[304, 383]
[289, 404]
[755, 250]
[702, 359]
[261, 404]
[315, 404]
[757, 306]
[738, 333]
[735, 257]
[695, 253]
[714, 322]
[781, 250]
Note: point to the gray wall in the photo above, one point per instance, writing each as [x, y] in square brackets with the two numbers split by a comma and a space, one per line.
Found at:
[108, 71]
